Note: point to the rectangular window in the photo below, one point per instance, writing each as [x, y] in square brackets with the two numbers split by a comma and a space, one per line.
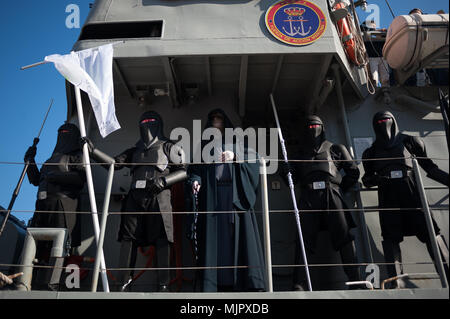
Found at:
[122, 30]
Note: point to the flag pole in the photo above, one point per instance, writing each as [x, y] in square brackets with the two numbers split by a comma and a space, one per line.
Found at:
[44, 62]
[33, 65]
[90, 185]
[87, 165]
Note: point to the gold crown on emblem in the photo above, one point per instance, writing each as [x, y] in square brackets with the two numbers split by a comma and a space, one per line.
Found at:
[293, 11]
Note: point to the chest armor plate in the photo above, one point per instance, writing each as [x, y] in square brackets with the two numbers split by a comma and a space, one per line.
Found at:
[155, 156]
[383, 167]
[59, 163]
[327, 166]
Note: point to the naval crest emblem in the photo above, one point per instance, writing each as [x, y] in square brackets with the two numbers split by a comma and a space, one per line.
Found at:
[296, 22]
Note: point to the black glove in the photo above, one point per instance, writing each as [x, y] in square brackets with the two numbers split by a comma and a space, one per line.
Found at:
[372, 180]
[156, 185]
[30, 154]
[84, 140]
[438, 175]
[285, 168]
[347, 185]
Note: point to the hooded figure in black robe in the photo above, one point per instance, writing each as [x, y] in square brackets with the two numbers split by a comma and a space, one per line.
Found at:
[322, 188]
[149, 192]
[60, 184]
[227, 239]
[397, 187]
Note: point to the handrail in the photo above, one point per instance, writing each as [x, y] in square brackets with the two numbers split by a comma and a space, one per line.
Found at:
[367, 209]
[363, 282]
[226, 267]
[102, 230]
[429, 220]
[425, 187]
[89, 180]
[410, 276]
[348, 138]
[266, 225]
[265, 210]
[237, 161]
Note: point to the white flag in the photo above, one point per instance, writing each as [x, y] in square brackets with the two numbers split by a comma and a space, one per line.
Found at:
[91, 71]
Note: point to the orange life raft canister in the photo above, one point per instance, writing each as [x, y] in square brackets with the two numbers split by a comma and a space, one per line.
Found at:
[346, 34]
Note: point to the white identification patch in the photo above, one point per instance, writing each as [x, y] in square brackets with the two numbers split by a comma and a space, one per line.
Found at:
[141, 184]
[42, 195]
[396, 174]
[319, 185]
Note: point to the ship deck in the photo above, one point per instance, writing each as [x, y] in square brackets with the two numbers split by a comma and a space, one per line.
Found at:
[436, 293]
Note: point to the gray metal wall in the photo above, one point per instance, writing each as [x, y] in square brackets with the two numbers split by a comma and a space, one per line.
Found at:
[283, 230]
[208, 28]
[11, 243]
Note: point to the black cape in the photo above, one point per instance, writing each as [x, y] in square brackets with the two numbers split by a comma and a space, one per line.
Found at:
[401, 193]
[67, 202]
[247, 245]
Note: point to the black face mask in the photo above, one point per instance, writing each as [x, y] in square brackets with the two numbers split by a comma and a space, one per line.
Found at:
[313, 132]
[150, 127]
[68, 139]
[385, 128]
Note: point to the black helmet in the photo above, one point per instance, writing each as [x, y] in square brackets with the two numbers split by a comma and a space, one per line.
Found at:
[68, 139]
[150, 127]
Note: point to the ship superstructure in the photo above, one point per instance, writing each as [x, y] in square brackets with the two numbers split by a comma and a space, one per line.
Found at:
[184, 58]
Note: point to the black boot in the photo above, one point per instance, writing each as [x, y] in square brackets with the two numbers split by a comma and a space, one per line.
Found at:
[299, 280]
[300, 286]
[54, 275]
[127, 259]
[163, 261]
[393, 255]
[54, 282]
[348, 256]
[443, 250]
[41, 275]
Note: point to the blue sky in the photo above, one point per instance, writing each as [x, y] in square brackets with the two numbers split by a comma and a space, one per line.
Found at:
[401, 7]
[30, 30]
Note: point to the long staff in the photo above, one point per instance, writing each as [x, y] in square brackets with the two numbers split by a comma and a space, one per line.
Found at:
[24, 171]
[291, 186]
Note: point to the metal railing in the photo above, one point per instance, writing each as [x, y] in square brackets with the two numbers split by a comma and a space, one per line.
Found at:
[98, 269]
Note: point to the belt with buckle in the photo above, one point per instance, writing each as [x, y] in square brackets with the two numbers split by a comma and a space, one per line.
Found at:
[319, 185]
[398, 174]
[44, 195]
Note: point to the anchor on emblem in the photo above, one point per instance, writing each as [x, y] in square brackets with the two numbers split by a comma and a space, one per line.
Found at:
[293, 12]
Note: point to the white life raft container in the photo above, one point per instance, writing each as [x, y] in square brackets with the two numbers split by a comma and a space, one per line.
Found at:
[411, 38]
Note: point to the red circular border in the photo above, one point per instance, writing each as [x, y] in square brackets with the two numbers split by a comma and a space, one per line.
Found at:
[287, 39]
